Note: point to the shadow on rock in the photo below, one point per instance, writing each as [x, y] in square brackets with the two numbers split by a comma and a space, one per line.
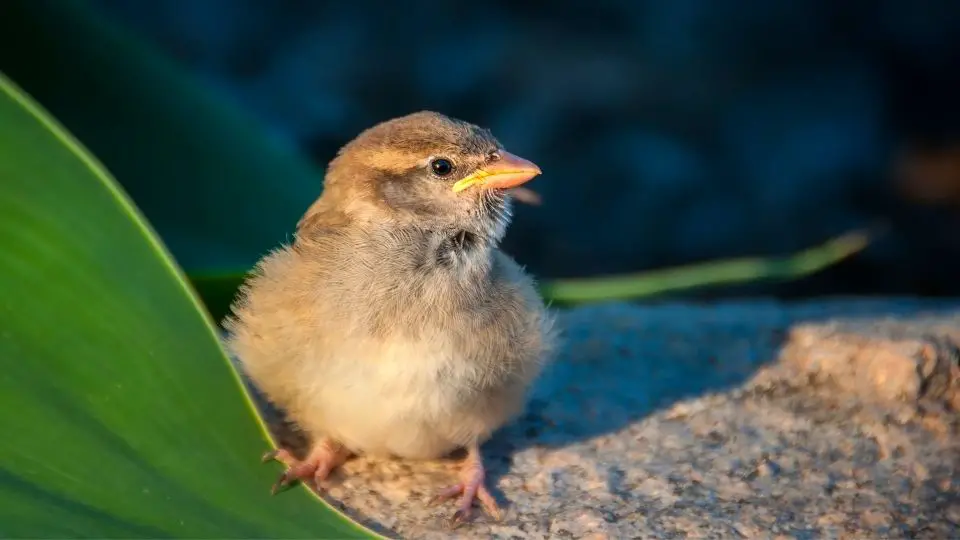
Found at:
[619, 364]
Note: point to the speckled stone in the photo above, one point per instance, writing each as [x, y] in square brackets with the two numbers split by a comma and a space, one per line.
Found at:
[731, 420]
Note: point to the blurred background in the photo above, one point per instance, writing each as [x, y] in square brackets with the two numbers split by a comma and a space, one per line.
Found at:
[669, 132]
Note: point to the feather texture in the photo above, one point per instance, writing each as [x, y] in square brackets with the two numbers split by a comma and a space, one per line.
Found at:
[391, 331]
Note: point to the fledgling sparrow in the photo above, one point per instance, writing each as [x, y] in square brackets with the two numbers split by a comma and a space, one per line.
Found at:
[393, 324]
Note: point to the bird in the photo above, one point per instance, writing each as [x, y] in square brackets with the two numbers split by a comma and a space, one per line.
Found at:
[393, 324]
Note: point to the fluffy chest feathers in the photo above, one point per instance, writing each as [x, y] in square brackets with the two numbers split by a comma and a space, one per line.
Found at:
[394, 343]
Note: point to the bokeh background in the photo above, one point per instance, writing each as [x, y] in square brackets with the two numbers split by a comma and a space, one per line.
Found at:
[670, 132]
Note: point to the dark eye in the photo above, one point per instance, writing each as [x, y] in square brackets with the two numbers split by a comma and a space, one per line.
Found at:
[441, 166]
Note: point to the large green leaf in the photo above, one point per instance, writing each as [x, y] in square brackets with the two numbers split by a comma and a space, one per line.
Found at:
[121, 415]
[219, 191]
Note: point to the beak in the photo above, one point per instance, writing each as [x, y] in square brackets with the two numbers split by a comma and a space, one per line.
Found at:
[507, 172]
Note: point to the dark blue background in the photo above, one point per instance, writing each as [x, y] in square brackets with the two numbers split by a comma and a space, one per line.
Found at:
[669, 131]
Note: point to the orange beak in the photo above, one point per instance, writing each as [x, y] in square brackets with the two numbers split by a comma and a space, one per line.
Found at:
[507, 172]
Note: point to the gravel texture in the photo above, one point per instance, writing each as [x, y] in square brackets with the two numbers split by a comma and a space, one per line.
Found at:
[734, 420]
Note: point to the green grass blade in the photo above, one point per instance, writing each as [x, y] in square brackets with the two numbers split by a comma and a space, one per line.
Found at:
[723, 272]
[121, 414]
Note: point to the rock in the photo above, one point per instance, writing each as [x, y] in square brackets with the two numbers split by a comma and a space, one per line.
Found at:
[728, 420]
[888, 363]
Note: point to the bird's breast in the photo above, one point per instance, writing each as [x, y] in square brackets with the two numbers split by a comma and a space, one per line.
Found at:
[423, 361]
[411, 398]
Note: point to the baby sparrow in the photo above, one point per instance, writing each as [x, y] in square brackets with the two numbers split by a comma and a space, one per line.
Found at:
[394, 325]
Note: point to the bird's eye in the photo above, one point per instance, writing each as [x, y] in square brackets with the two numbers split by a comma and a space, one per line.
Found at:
[441, 166]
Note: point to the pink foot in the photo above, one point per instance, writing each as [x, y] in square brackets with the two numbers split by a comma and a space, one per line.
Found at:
[324, 456]
[471, 487]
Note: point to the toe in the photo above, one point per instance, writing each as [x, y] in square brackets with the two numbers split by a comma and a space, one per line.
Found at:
[322, 459]
[322, 473]
[489, 503]
[297, 471]
[280, 454]
[460, 517]
[284, 480]
[446, 494]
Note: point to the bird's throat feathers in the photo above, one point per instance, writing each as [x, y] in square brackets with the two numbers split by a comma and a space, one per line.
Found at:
[464, 248]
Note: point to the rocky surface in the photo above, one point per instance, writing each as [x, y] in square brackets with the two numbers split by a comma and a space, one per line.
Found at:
[732, 420]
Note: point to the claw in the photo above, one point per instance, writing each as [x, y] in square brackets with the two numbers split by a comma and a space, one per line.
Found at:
[324, 456]
[445, 495]
[459, 518]
[283, 481]
[470, 488]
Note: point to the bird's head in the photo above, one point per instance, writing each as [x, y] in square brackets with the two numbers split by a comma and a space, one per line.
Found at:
[426, 170]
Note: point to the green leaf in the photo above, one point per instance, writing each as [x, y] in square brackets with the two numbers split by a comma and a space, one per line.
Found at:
[709, 274]
[219, 191]
[121, 414]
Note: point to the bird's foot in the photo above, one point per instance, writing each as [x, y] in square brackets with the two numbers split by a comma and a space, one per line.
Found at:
[471, 487]
[324, 456]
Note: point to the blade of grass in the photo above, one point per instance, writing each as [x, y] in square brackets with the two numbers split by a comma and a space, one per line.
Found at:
[723, 272]
[217, 288]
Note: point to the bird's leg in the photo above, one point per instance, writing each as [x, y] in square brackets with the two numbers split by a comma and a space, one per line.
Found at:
[471, 486]
[324, 456]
